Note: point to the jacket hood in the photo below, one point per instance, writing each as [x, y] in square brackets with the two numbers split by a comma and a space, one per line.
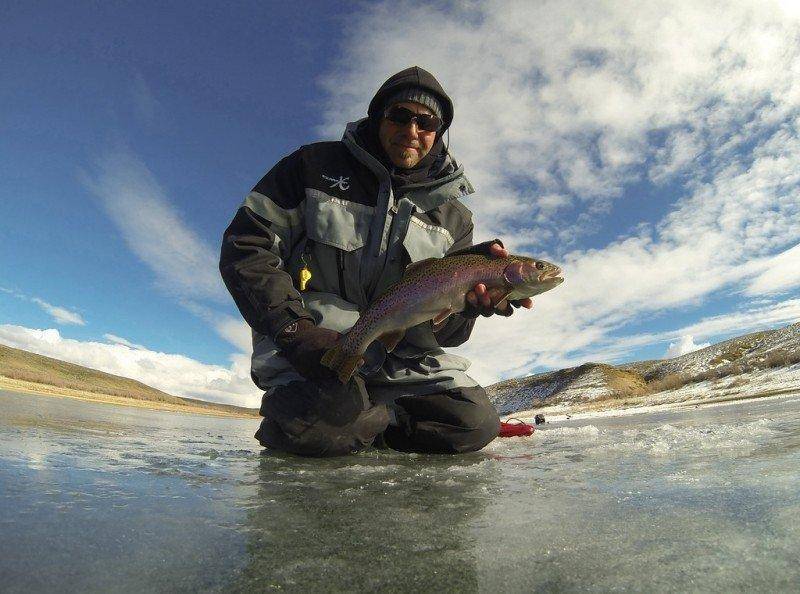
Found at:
[411, 77]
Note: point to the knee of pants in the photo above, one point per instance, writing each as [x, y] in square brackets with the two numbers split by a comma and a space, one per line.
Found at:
[476, 435]
[483, 433]
[327, 400]
[480, 421]
[316, 438]
[481, 411]
[456, 421]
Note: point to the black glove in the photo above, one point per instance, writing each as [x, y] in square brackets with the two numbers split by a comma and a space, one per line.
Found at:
[303, 344]
[478, 248]
[473, 311]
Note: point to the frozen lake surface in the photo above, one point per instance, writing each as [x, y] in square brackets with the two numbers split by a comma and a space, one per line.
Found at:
[101, 498]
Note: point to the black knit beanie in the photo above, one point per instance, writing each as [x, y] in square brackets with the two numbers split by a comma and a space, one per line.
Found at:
[417, 95]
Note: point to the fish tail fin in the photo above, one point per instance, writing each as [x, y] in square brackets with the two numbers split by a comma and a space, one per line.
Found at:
[341, 362]
[348, 367]
[331, 356]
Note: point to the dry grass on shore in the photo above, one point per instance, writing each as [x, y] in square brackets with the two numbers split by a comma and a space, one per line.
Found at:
[28, 372]
[19, 386]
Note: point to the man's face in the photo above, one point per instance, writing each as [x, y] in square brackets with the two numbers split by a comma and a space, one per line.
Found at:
[406, 144]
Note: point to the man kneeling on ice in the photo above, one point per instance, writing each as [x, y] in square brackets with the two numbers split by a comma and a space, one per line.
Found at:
[322, 235]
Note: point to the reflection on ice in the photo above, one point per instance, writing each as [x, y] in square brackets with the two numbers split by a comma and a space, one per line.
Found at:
[98, 498]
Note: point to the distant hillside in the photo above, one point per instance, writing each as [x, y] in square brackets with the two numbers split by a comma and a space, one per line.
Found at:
[29, 367]
[754, 364]
[758, 350]
[741, 360]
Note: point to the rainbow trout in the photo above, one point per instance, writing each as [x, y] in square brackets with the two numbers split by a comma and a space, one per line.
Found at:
[433, 289]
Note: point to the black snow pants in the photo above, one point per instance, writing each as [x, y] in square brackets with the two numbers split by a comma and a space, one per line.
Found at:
[330, 419]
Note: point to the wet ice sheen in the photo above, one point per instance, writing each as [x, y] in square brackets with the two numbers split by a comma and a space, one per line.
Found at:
[104, 498]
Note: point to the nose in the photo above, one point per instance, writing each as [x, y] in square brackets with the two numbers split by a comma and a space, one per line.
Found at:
[412, 128]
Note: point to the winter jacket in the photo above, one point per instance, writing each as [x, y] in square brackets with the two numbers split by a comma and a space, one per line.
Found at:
[331, 208]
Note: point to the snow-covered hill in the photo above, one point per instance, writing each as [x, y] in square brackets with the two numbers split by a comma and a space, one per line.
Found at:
[755, 350]
[748, 365]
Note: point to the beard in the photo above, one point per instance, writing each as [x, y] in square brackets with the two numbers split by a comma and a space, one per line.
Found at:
[405, 156]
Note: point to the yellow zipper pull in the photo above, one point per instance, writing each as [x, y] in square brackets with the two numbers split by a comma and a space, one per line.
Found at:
[305, 273]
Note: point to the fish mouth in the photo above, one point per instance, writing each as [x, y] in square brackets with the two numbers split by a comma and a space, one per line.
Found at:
[554, 276]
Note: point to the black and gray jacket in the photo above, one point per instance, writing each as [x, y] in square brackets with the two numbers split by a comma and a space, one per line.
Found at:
[331, 207]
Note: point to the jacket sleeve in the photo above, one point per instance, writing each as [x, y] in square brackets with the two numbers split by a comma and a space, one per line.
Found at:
[457, 329]
[258, 243]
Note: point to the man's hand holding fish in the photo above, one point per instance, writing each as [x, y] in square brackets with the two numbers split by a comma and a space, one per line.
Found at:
[488, 301]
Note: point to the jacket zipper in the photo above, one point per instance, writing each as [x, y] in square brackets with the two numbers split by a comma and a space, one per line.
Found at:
[305, 256]
[340, 268]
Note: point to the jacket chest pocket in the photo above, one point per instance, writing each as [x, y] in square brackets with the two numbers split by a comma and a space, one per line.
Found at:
[336, 230]
[335, 222]
[424, 240]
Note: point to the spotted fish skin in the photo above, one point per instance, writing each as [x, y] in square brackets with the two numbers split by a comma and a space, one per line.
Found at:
[431, 290]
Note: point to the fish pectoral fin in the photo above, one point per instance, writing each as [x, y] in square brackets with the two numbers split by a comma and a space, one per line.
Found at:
[442, 316]
[390, 339]
[502, 297]
[420, 264]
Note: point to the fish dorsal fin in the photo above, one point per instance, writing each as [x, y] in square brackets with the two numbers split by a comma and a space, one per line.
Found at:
[420, 264]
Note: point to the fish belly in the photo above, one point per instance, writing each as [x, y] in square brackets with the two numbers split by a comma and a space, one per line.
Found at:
[415, 310]
[418, 311]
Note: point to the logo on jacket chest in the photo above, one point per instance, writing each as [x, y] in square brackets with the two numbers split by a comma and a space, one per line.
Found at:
[342, 182]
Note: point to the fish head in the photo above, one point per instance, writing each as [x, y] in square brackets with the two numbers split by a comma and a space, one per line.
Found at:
[526, 277]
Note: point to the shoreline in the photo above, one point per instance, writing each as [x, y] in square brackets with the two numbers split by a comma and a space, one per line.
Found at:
[553, 413]
[26, 387]
[557, 413]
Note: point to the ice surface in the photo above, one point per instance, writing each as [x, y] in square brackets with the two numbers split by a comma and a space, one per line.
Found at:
[103, 498]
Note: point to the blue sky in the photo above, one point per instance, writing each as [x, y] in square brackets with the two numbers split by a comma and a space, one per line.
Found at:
[653, 153]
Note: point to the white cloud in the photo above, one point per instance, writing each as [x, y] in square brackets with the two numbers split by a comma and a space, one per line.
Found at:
[172, 373]
[781, 273]
[569, 100]
[175, 374]
[578, 102]
[684, 345]
[236, 332]
[114, 339]
[153, 229]
[61, 315]
[747, 320]
[183, 264]
[233, 330]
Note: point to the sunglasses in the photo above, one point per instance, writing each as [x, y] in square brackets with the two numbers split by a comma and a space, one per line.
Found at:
[403, 116]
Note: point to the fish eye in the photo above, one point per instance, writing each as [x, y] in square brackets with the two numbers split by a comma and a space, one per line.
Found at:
[539, 265]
